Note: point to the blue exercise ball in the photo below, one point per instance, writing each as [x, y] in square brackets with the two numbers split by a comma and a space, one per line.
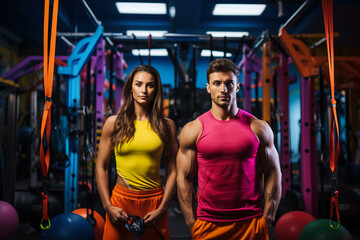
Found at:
[321, 230]
[68, 226]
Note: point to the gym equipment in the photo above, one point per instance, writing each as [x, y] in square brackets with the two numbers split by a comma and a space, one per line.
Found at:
[349, 208]
[56, 207]
[135, 224]
[290, 225]
[22, 204]
[75, 64]
[320, 230]
[69, 226]
[96, 220]
[9, 220]
[26, 135]
[291, 202]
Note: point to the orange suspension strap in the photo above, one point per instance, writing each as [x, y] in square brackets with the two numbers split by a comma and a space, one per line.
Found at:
[46, 119]
[333, 151]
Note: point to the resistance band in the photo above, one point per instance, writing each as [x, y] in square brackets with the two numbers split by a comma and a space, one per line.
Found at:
[46, 119]
[334, 151]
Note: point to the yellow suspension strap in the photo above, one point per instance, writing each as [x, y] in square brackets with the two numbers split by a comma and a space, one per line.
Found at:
[46, 118]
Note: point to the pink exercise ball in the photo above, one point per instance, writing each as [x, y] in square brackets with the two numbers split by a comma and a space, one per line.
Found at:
[9, 220]
[290, 225]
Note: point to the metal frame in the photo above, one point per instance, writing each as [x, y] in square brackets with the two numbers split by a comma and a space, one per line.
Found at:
[119, 73]
[100, 80]
[306, 65]
[284, 120]
[34, 158]
[29, 64]
[76, 62]
[250, 63]
[10, 156]
[308, 161]
[266, 82]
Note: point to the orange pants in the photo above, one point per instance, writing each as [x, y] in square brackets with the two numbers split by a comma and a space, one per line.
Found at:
[136, 203]
[249, 229]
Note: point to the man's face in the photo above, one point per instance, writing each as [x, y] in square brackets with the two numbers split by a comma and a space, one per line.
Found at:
[223, 87]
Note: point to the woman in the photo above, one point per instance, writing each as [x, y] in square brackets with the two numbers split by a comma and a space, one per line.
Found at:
[138, 135]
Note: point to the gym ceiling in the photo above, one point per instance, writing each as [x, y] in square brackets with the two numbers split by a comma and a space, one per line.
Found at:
[21, 21]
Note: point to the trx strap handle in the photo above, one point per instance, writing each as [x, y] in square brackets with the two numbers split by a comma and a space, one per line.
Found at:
[46, 118]
[334, 150]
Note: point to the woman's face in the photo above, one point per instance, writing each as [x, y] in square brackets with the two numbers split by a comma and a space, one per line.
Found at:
[143, 88]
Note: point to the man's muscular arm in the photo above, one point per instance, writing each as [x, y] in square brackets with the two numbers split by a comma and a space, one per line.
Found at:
[186, 166]
[270, 167]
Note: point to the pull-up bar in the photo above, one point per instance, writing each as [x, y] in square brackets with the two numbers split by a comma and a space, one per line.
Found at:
[166, 36]
[92, 15]
[70, 44]
[86, 34]
[262, 39]
[298, 13]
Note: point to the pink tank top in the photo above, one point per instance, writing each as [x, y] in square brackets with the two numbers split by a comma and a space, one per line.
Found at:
[228, 171]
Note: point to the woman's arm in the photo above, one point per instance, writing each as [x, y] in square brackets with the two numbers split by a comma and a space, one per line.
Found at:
[152, 218]
[102, 168]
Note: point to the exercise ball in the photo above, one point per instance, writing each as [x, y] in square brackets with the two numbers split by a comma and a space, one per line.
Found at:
[99, 222]
[68, 226]
[9, 220]
[290, 225]
[320, 230]
[25, 135]
[22, 204]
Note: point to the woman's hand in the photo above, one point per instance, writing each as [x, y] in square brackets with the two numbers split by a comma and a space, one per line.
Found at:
[116, 215]
[153, 218]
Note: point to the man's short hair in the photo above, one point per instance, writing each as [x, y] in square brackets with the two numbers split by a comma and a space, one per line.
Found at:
[222, 65]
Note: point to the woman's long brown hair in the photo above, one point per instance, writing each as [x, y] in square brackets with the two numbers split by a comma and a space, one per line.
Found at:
[124, 128]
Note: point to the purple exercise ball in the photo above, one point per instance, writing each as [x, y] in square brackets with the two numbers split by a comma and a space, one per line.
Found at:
[9, 220]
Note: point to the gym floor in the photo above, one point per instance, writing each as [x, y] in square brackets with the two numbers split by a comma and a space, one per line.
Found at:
[178, 229]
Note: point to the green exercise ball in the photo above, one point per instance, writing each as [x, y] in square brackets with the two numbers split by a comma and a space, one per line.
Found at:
[321, 230]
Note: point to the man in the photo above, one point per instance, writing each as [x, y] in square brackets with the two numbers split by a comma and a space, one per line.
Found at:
[227, 147]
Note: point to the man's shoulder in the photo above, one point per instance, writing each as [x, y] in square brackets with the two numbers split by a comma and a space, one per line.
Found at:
[190, 132]
[259, 124]
[192, 125]
[262, 129]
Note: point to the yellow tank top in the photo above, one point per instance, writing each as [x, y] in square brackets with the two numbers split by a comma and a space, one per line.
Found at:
[138, 161]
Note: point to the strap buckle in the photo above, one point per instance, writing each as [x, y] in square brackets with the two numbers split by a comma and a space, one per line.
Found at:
[48, 103]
